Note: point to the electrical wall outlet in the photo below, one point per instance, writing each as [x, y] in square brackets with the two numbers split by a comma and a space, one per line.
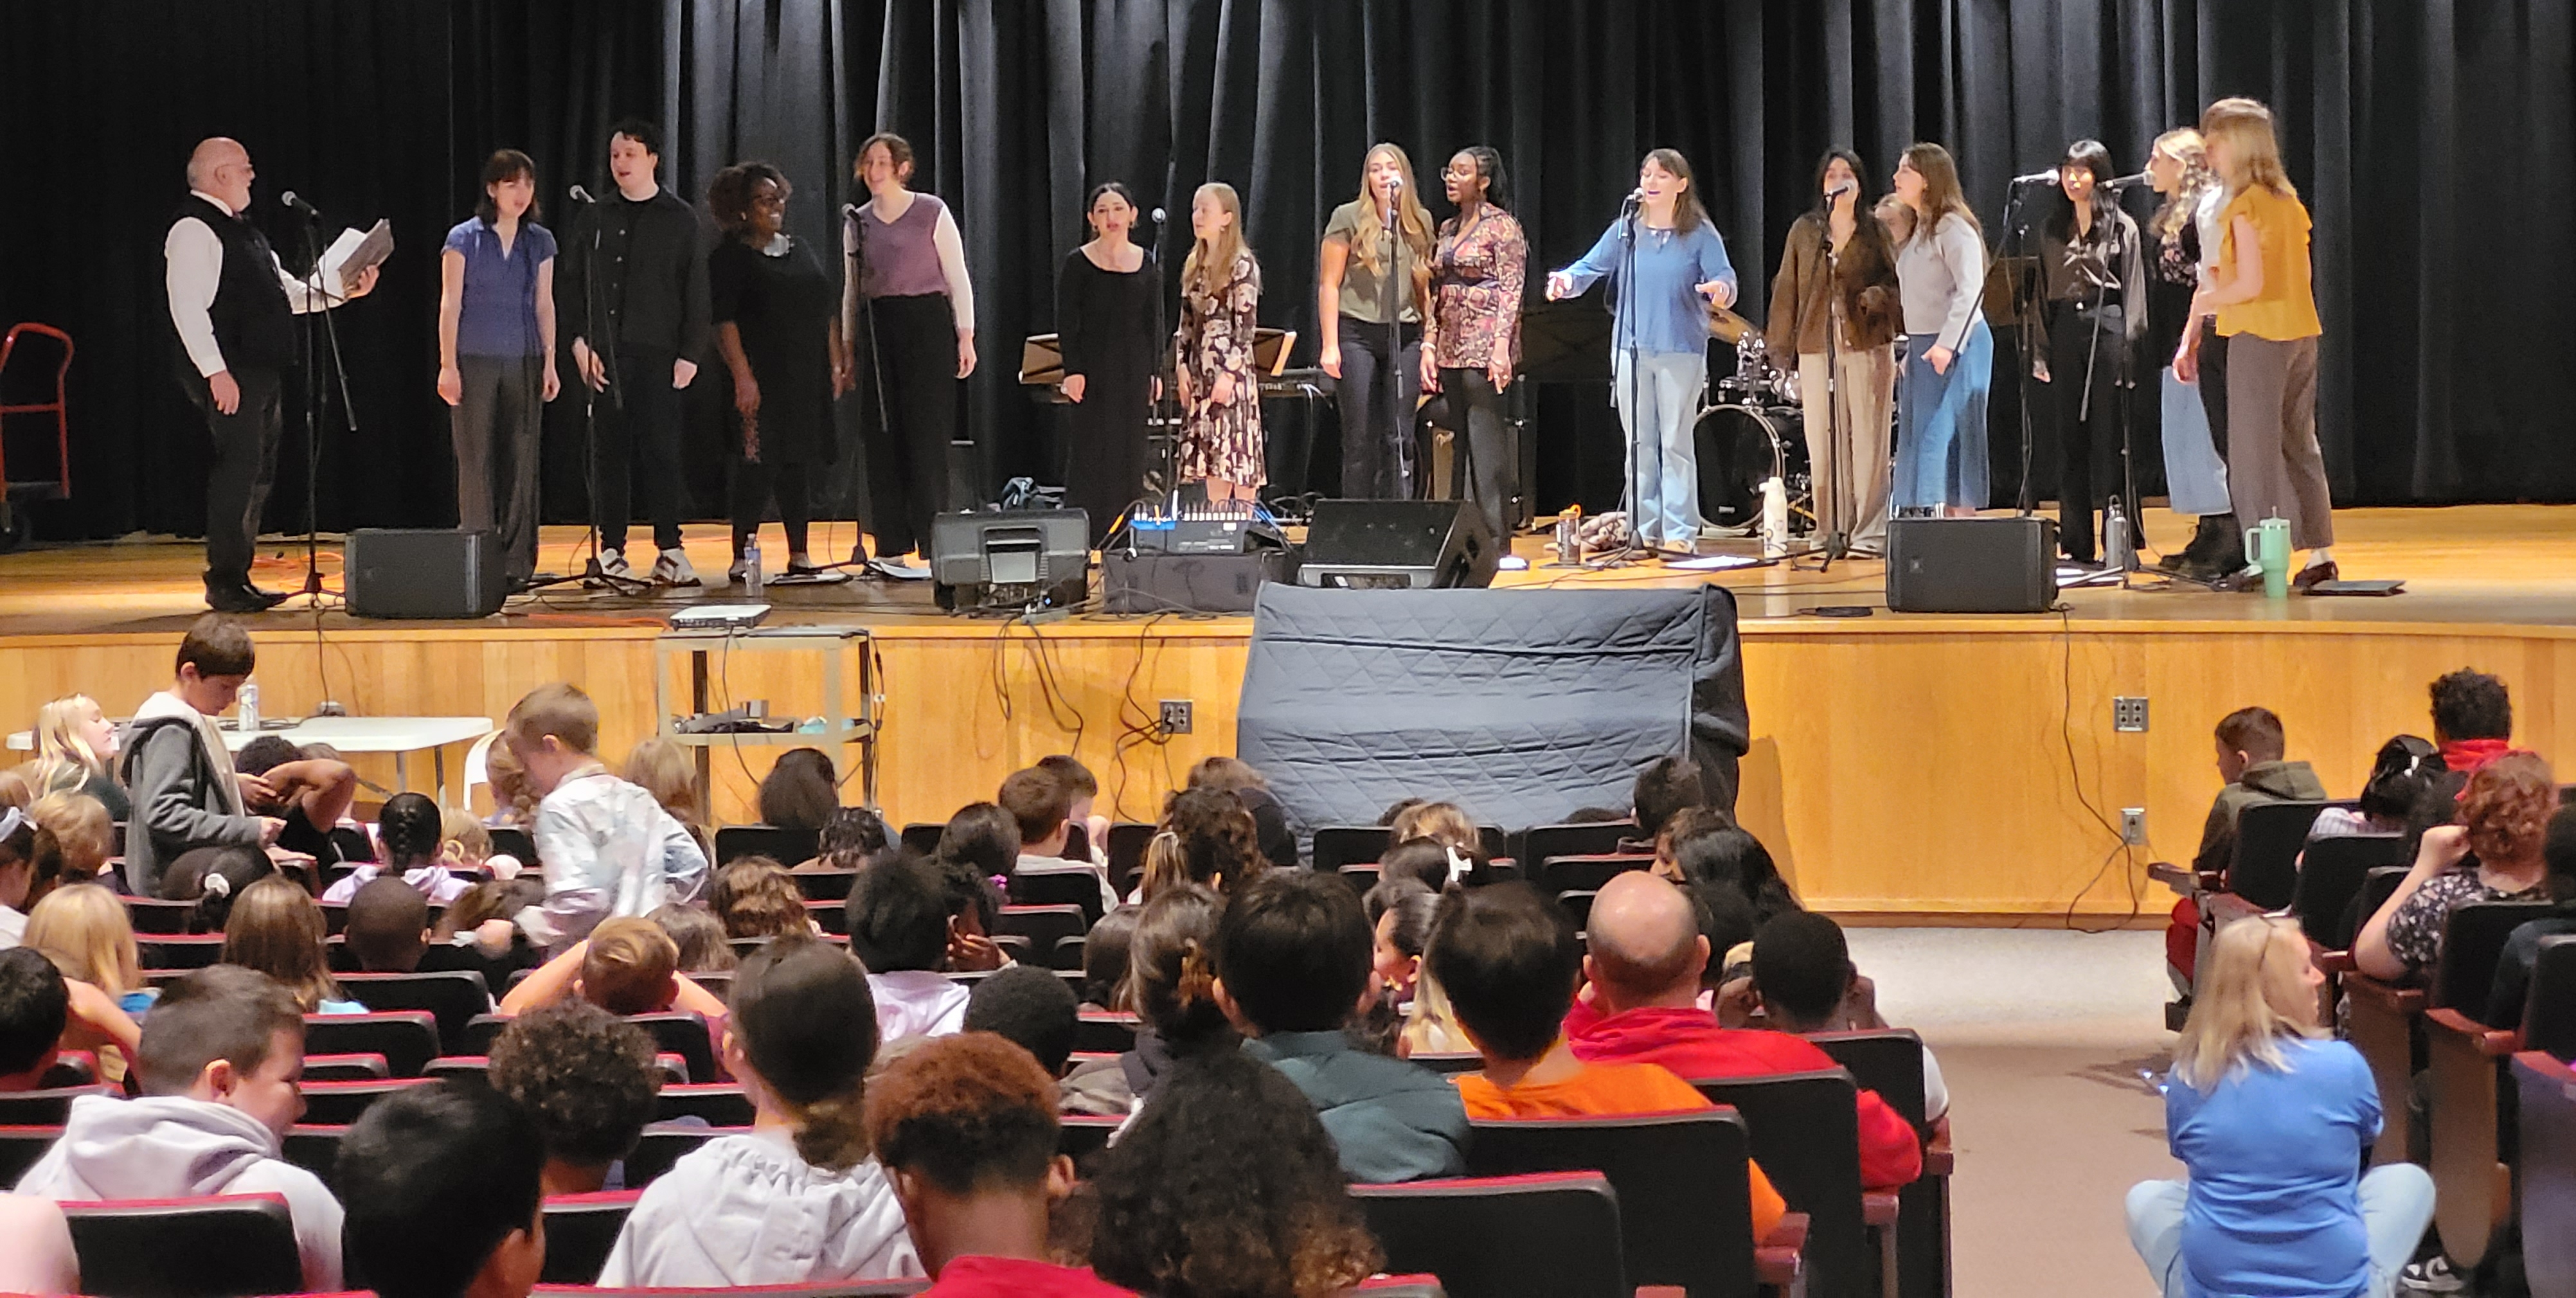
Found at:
[2133, 826]
[1176, 716]
[2129, 715]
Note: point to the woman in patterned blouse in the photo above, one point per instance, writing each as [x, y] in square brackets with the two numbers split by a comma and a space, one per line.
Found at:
[1473, 338]
[1220, 309]
[2491, 854]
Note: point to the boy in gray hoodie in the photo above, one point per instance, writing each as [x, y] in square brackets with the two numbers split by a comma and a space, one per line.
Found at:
[185, 791]
[222, 1055]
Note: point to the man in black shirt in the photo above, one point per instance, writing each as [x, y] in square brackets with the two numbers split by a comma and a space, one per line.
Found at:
[636, 294]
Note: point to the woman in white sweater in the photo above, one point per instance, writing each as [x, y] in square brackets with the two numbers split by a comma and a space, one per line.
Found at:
[798, 1200]
[1949, 351]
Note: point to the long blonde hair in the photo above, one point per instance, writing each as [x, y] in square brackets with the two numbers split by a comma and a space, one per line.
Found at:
[2183, 146]
[1410, 216]
[663, 769]
[2246, 128]
[2254, 993]
[64, 760]
[276, 928]
[83, 930]
[1210, 265]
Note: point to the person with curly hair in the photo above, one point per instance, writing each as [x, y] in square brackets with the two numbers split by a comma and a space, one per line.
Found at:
[1206, 837]
[852, 838]
[1249, 786]
[966, 1129]
[781, 336]
[1228, 1186]
[704, 947]
[586, 1078]
[1292, 969]
[1171, 988]
[796, 1200]
[2492, 854]
[755, 897]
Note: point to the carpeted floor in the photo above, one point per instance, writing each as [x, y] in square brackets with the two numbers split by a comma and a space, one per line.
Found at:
[2041, 1036]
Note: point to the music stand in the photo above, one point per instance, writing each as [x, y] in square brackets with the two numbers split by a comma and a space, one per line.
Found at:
[1564, 342]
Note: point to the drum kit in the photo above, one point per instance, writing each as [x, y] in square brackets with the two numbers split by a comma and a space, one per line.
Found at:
[1751, 432]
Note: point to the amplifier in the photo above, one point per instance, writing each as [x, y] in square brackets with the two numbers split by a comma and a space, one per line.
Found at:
[1399, 545]
[424, 573]
[1150, 582]
[1971, 565]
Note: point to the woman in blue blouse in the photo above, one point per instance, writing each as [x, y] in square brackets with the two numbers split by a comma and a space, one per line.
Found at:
[2272, 1117]
[496, 355]
[1659, 344]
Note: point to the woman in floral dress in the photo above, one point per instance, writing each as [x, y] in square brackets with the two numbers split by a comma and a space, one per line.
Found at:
[1219, 390]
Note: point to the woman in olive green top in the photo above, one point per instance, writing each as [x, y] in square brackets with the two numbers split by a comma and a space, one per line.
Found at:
[1372, 333]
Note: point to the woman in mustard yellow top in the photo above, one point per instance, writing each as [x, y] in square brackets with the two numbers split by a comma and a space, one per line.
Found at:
[2267, 313]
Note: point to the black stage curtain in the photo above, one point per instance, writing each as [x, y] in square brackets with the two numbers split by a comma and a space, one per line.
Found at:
[2446, 352]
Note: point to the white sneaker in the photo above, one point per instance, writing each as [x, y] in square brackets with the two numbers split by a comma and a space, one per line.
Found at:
[612, 563]
[2432, 1275]
[673, 569]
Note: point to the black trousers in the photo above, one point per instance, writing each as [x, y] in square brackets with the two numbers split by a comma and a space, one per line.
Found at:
[495, 427]
[237, 481]
[916, 369]
[2213, 382]
[753, 484]
[1377, 426]
[1486, 467]
[2088, 434]
[641, 437]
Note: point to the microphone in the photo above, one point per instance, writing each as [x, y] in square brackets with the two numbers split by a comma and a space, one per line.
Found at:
[581, 195]
[2048, 177]
[1835, 194]
[297, 204]
[2123, 182]
[1160, 216]
[1635, 197]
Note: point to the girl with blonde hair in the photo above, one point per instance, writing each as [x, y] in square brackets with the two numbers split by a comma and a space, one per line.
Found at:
[1221, 442]
[2273, 1117]
[2184, 237]
[76, 750]
[2260, 300]
[84, 931]
[663, 769]
[1373, 291]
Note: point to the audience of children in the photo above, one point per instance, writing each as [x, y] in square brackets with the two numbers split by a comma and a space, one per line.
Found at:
[1804, 982]
[2400, 775]
[704, 945]
[587, 1079]
[664, 770]
[801, 791]
[965, 1127]
[1206, 837]
[1641, 1004]
[1040, 806]
[2492, 854]
[443, 1195]
[389, 929]
[625, 966]
[1277, 843]
[411, 833]
[310, 792]
[1029, 1007]
[2273, 1120]
[1292, 970]
[754, 896]
[76, 752]
[277, 928]
[609, 848]
[220, 1056]
[2252, 771]
[1084, 789]
[798, 1199]
[1104, 958]
[74, 840]
[853, 837]
[900, 925]
[1171, 987]
[2510, 996]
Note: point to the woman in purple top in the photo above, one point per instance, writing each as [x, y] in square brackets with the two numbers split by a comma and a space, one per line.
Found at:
[2272, 1118]
[908, 324]
[496, 355]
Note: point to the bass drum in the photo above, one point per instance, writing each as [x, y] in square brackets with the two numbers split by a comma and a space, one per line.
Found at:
[1739, 447]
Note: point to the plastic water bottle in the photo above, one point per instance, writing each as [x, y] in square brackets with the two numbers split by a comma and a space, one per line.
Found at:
[751, 580]
[249, 701]
[1569, 526]
[1775, 517]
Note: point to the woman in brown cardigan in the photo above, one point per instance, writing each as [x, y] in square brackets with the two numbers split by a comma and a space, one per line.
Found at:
[1839, 269]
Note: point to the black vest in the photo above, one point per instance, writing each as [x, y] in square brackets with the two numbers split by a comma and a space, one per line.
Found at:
[253, 324]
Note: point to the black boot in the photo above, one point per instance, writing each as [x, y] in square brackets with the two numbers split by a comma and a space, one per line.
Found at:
[2203, 536]
[2226, 554]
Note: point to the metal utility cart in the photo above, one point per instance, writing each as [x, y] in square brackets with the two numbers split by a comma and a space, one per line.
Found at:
[844, 725]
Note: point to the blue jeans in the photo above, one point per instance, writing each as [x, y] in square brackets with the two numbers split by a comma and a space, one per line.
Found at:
[1660, 408]
[2396, 1205]
[1941, 444]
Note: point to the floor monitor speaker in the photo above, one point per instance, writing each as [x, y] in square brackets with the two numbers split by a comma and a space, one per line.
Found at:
[438, 572]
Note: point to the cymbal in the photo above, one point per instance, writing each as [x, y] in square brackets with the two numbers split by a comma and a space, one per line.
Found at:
[1727, 325]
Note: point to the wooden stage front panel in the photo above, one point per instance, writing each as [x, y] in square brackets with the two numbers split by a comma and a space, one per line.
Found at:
[1901, 765]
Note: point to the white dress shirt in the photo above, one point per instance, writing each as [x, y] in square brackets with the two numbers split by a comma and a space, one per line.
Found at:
[195, 257]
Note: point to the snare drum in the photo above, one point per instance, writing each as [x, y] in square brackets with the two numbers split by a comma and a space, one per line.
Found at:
[1739, 447]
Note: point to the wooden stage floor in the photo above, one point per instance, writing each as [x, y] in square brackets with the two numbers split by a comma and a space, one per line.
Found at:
[1902, 765]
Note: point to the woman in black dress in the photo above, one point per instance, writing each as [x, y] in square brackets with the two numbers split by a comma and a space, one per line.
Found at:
[778, 328]
[1109, 319]
[2096, 313]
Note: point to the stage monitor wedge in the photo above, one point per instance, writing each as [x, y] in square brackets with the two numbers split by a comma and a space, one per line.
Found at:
[1971, 565]
[1016, 558]
[1399, 545]
[439, 572]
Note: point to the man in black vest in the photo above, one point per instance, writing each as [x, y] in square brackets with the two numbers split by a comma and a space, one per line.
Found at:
[232, 305]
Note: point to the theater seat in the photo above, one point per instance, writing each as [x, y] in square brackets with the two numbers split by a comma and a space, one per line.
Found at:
[581, 1229]
[212, 1247]
[843, 1289]
[1046, 925]
[453, 999]
[1081, 1137]
[1554, 1233]
[663, 1144]
[315, 1147]
[21, 1146]
[179, 950]
[45, 1108]
[340, 1103]
[2547, 1126]
[1401, 1286]
[1448, 1062]
[1562, 874]
[678, 1032]
[155, 917]
[1889, 1061]
[1072, 884]
[717, 1104]
[408, 1039]
[347, 1068]
[823, 885]
[1685, 1195]
[1105, 1034]
[788, 847]
[1805, 1130]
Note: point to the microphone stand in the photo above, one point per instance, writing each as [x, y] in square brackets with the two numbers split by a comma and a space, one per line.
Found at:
[1632, 491]
[855, 264]
[316, 401]
[1838, 538]
[592, 576]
